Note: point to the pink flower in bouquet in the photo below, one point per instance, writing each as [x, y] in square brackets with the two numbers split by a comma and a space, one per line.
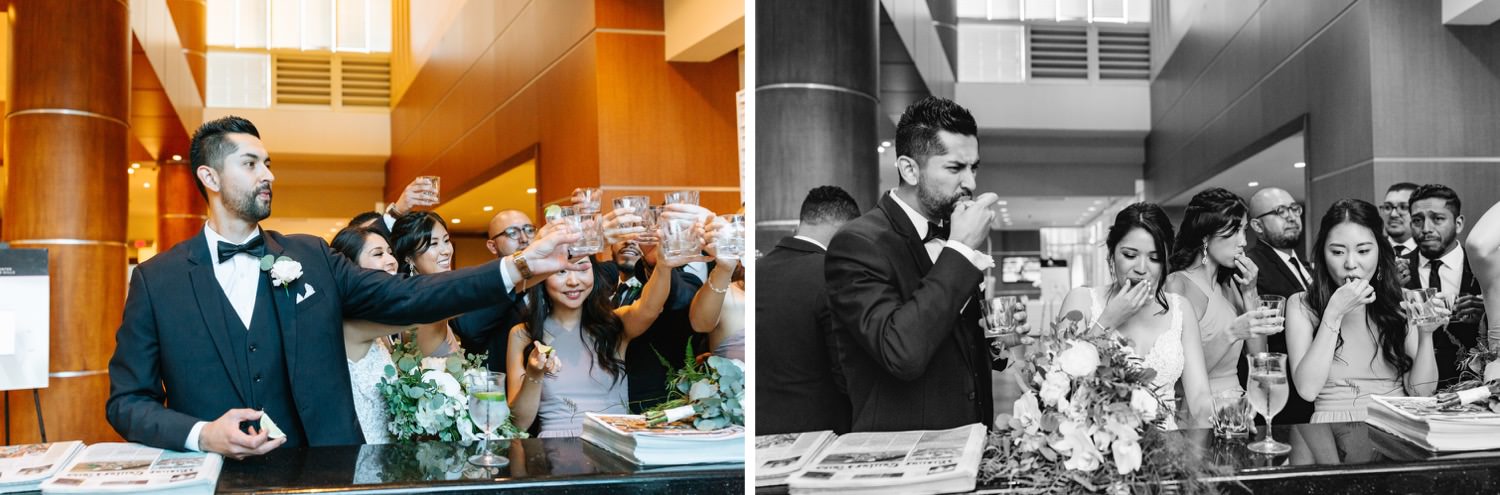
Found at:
[1080, 360]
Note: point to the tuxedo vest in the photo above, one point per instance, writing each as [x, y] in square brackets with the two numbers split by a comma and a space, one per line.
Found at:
[260, 357]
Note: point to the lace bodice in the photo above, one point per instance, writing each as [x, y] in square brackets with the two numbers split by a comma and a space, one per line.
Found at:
[368, 405]
[1165, 355]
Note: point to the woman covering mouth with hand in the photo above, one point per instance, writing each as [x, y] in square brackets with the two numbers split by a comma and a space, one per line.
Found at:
[580, 365]
[1159, 325]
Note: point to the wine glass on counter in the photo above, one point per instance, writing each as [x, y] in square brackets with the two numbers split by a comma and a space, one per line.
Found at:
[1268, 393]
[488, 410]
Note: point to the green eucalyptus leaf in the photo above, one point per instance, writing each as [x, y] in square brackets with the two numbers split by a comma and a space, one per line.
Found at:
[266, 262]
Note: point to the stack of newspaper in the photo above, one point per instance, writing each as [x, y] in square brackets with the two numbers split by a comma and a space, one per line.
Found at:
[24, 467]
[1420, 421]
[939, 461]
[779, 456]
[129, 467]
[628, 436]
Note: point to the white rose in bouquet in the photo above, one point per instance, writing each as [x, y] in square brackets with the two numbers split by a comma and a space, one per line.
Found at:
[445, 383]
[1080, 359]
[1027, 411]
[1144, 404]
[1054, 388]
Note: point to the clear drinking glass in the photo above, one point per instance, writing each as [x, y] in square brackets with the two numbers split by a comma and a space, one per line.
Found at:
[1268, 393]
[679, 240]
[589, 199]
[592, 236]
[686, 197]
[488, 410]
[730, 239]
[436, 183]
[557, 214]
[1419, 306]
[1232, 414]
[1003, 315]
[637, 205]
[1275, 304]
[1442, 301]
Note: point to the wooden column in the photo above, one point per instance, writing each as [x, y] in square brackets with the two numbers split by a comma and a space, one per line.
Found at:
[815, 106]
[65, 161]
[191, 19]
[180, 210]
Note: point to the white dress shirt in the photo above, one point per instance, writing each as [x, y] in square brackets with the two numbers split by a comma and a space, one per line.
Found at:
[811, 240]
[935, 246]
[1451, 273]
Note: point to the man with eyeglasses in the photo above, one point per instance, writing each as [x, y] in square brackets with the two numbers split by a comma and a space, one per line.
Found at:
[487, 330]
[1397, 211]
[1276, 218]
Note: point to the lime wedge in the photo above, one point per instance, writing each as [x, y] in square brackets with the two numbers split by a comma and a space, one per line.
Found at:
[552, 211]
[490, 396]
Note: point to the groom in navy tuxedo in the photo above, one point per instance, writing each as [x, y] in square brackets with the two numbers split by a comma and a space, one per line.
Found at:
[213, 337]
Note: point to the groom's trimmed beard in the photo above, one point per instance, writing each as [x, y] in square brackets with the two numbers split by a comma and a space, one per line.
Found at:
[937, 206]
[248, 205]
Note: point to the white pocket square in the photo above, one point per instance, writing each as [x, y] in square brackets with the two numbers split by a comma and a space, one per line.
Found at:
[305, 295]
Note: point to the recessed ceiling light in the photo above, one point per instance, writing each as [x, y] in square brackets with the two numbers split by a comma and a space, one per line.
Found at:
[488, 208]
[147, 185]
[1098, 202]
[130, 171]
[1254, 184]
[1299, 165]
[456, 221]
[135, 165]
[886, 144]
[176, 158]
[880, 149]
[531, 190]
[1003, 210]
[1091, 209]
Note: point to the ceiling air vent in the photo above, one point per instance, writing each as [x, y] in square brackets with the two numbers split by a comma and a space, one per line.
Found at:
[1059, 52]
[303, 79]
[366, 82]
[1124, 54]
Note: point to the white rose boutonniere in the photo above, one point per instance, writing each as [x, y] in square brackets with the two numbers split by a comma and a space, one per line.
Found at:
[283, 270]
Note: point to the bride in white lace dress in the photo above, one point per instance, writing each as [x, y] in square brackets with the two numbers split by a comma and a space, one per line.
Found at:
[1136, 308]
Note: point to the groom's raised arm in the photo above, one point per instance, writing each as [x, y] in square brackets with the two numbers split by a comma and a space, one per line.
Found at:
[136, 406]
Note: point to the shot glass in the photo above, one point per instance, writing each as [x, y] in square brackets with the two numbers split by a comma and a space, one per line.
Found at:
[592, 237]
[686, 197]
[1232, 414]
[1419, 306]
[679, 240]
[436, 184]
[589, 199]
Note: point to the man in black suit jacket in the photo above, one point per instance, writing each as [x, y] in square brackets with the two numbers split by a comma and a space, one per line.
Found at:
[1276, 218]
[212, 329]
[487, 329]
[798, 383]
[905, 303]
[1440, 261]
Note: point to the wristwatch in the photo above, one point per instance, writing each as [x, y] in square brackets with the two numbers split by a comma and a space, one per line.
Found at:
[521, 265]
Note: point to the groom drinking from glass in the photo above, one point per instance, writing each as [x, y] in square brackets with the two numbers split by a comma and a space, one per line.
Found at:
[904, 283]
[240, 323]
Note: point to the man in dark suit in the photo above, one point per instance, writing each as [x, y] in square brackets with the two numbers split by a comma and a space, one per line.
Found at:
[1276, 218]
[215, 335]
[668, 336]
[797, 380]
[487, 329]
[1440, 261]
[904, 300]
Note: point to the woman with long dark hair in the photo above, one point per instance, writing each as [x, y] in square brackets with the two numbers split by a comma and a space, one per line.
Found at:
[365, 345]
[1134, 305]
[1348, 336]
[580, 366]
[422, 246]
[1210, 270]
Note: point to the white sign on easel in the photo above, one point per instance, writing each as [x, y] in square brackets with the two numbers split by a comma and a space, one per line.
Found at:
[25, 310]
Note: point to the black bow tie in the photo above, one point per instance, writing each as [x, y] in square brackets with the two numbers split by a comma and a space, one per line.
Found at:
[935, 231]
[255, 247]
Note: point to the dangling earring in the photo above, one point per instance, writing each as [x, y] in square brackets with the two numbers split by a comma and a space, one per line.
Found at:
[1204, 262]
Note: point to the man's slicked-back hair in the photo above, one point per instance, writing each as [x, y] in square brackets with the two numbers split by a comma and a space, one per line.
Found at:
[1402, 186]
[828, 205]
[1438, 191]
[917, 133]
[211, 144]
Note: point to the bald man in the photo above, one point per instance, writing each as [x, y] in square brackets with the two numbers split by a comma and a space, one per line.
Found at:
[1277, 219]
[487, 330]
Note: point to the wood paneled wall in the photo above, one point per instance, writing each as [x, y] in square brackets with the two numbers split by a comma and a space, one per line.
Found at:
[1387, 92]
[580, 84]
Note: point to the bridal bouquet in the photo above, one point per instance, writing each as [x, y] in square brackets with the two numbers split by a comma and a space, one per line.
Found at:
[428, 397]
[1087, 421]
[709, 389]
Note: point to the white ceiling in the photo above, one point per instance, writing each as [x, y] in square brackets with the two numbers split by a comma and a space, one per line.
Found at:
[1035, 212]
[1272, 167]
